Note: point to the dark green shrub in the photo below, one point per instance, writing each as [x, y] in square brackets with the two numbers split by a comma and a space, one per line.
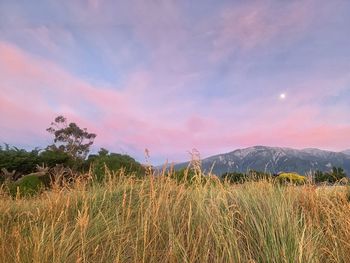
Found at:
[46, 180]
[22, 161]
[26, 186]
[253, 175]
[320, 177]
[2, 180]
[335, 175]
[113, 162]
[183, 175]
[25, 162]
[234, 177]
[51, 158]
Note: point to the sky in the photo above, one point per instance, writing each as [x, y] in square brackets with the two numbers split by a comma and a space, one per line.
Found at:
[171, 76]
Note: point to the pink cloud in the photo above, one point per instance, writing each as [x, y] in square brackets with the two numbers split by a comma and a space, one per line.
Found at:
[25, 81]
[139, 115]
[21, 121]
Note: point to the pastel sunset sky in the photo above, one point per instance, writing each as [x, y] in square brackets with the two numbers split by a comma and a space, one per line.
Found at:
[171, 76]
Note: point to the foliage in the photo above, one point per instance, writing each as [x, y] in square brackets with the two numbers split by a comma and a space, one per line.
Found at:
[25, 162]
[234, 177]
[29, 185]
[51, 158]
[113, 162]
[293, 178]
[254, 175]
[320, 177]
[70, 138]
[70, 148]
[18, 159]
[187, 174]
[251, 175]
[335, 175]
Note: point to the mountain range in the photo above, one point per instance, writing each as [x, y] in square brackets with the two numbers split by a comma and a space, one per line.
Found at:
[346, 152]
[275, 160]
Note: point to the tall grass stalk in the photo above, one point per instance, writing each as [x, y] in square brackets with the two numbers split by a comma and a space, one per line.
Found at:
[157, 219]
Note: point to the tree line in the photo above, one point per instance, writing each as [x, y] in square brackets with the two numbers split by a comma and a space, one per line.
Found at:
[336, 174]
[70, 149]
[69, 154]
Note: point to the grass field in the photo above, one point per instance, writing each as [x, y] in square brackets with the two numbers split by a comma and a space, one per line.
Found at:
[156, 219]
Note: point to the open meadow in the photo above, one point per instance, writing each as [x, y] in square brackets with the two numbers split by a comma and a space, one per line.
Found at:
[157, 219]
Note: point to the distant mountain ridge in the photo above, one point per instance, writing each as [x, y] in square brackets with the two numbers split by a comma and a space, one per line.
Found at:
[346, 152]
[275, 160]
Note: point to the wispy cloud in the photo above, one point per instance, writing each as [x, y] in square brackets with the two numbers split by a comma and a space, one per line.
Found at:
[251, 25]
[174, 75]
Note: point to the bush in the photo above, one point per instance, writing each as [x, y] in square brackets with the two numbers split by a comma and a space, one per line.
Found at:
[335, 175]
[183, 175]
[114, 162]
[51, 158]
[234, 177]
[320, 177]
[253, 175]
[28, 185]
[25, 162]
[293, 178]
[22, 161]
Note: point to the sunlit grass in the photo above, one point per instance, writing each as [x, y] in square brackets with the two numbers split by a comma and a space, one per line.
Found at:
[157, 219]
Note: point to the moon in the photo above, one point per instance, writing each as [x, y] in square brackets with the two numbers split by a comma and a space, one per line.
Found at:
[283, 96]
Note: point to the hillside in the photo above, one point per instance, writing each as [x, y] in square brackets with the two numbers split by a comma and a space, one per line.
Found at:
[346, 152]
[274, 160]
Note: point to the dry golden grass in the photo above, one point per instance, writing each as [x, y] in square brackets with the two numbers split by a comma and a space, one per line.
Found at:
[156, 219]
